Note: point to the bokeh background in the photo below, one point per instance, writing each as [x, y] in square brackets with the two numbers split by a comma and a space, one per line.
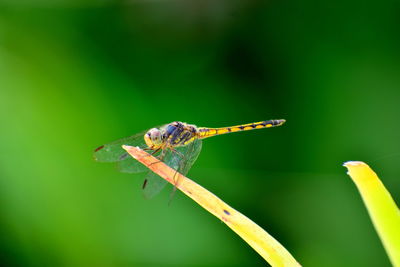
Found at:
[77, 74]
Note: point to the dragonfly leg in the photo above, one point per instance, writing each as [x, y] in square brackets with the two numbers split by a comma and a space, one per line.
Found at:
[155, 151]
[160, 158]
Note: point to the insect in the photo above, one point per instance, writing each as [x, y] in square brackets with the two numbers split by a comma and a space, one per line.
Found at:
[177, 144]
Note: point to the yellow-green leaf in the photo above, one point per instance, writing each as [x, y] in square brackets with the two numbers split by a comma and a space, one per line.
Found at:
[384, 213]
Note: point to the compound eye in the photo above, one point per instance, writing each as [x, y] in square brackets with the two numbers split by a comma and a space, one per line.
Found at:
[155, 134]
[149, 138]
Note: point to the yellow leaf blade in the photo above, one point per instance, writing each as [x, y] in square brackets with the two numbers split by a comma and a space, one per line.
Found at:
[384, 213]
[269, 248]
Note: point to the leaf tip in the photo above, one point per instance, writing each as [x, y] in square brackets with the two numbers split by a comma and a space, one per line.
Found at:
[349, 164]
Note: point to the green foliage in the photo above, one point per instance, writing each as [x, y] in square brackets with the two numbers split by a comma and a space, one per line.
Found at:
[75, 75]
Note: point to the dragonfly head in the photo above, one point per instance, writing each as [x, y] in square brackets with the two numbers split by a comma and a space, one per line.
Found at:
[153, 138]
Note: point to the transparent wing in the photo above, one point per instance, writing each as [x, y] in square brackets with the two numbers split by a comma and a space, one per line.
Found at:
[190, 154]
[152, 185]
[182, 162]
[130, 165]
[113, 152]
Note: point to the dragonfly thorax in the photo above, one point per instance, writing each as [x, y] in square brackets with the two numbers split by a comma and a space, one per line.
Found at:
[171, 135]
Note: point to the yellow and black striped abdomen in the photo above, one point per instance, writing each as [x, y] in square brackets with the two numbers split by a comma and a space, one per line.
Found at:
[208, 132]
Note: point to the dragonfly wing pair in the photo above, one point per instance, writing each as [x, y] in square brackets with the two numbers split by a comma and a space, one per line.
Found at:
[181, 161]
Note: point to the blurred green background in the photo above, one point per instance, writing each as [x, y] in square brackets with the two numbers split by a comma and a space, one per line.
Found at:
[77, 74]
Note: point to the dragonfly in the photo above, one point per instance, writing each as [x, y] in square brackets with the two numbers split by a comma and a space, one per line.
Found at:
[177, 144]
